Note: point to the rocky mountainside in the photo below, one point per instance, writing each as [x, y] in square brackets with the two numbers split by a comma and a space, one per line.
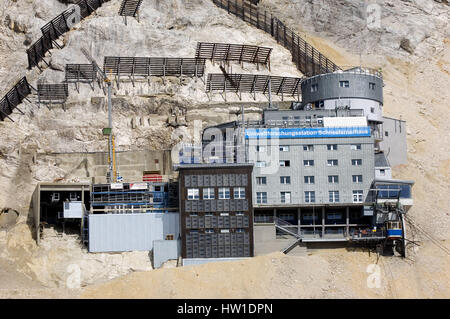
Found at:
[409, 40]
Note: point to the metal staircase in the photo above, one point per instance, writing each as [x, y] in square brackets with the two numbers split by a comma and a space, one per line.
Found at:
[286, 227]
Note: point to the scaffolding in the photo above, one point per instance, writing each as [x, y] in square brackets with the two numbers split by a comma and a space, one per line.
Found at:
[127, 198]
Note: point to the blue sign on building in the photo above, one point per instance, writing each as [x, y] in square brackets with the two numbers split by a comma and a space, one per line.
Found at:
[284, 133]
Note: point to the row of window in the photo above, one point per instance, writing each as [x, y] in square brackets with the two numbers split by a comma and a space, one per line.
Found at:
[286, 180]
[315, 216]
[209, 193]
[210, 214]
[310, 148]
[212, 231]
[342, 84]
[310, 197]
[331, 162]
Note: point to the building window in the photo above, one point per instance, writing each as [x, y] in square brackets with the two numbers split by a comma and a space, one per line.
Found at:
[371, 85]
[382, 172]
[286, 197]
[285, 179]
[308, 148]
[193, 193]
[357, 178]
[284, 148]
[309, 216]
[261, 180]
[208, 193]
[261, 197]
[333, 196]
[260, 148]
[239, 193]
[334, 216]
[314, 87]
[386, 133]
[224, 193]
[333, 179]
[308, 162]
[209, 231]
[344, 84]
[309, 179]
[372, 110]
[355, 147]
[333, 162]
[332, 147]
[239, 230]
[260, 164]
[356, 162]
[357, 196]
[285, 163]
[310, 197]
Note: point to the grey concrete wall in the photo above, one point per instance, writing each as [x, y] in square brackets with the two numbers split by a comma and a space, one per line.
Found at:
[296, 155]
[394, 144]
[328, 87]
[266, 241]
[92, 167]
[387, 172]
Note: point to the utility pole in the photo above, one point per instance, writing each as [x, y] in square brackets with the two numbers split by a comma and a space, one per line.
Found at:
[243, 146]
[270, 93]
[112, 177]
[112, 172]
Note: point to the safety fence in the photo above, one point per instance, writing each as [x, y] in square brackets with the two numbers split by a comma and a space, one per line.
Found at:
[57, 27]
[251, 83]
[307, 59]
[234, 52]
[13, 98]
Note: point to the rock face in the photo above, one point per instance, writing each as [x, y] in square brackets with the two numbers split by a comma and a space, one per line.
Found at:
[408, 39]
[367, 27]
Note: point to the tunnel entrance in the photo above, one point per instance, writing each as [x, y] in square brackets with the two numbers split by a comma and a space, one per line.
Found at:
[60, 206]
[54, 204]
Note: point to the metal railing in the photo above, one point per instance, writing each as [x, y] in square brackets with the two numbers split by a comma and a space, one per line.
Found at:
[307, 58]
[362, 70]
[263, 219]
[367, 234]
[286, 227]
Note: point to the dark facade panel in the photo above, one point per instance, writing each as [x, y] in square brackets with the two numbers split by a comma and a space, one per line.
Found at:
[216, 228]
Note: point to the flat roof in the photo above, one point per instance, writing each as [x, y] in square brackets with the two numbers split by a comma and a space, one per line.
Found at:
[392, 181]
[49, 186]
[212, 165]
